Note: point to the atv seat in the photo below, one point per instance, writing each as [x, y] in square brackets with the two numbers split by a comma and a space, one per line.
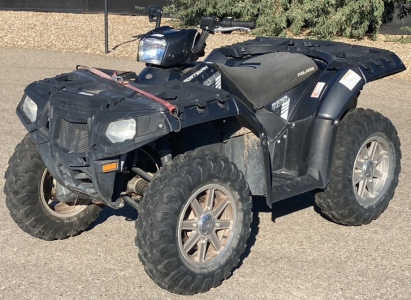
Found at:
[263, 78]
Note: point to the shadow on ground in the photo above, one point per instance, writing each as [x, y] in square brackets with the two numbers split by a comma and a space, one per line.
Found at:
[278, 210]
[129, 214]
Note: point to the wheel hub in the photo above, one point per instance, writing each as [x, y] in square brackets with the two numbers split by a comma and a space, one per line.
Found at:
[52, 204]
[368, 169]
[206, 224]
[371, 169]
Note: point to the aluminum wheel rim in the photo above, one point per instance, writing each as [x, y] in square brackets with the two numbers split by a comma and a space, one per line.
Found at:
[371, 169]
[55, 207]
[205, 226]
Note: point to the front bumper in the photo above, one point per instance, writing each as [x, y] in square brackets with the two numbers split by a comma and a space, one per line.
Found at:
[70, 133]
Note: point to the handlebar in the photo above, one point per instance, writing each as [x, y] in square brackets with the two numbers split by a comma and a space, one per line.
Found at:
[227, 24]
[229, 29]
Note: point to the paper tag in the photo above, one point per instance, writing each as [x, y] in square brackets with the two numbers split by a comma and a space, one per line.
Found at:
[318, 89]
[350, 79]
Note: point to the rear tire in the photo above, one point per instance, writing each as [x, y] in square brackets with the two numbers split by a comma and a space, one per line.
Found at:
[29, 192]
[364, 170]
[194, 222]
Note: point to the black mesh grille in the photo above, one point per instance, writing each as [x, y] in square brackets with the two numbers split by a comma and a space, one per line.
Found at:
[73, 136]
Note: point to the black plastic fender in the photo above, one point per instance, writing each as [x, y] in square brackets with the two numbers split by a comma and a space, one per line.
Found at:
[341, 90]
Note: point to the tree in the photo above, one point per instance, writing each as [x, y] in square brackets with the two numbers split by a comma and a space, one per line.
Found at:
[319, 18]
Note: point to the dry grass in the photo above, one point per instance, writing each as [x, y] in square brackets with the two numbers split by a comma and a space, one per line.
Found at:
[84, 33]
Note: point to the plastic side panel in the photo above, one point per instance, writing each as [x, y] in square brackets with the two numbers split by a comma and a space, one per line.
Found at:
[343, 88]
[246, 152]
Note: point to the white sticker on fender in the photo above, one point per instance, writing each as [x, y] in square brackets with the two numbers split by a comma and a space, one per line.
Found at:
[87, 94]
[350, 79]
[318, 89]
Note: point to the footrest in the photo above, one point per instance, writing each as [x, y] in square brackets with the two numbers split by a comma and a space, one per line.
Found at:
[285, 189]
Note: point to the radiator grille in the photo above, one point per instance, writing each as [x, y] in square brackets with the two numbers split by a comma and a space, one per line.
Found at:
[73, 136]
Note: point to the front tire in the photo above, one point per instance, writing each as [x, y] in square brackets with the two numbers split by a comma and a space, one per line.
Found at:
[29, 190]
[364, 170]
[194, 222]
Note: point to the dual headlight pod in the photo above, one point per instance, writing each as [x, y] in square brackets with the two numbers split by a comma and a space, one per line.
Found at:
[151, 50]
[122, 130]
[30, 108]
[117, 132]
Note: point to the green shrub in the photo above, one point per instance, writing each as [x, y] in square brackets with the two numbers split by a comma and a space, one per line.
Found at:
[319, 18]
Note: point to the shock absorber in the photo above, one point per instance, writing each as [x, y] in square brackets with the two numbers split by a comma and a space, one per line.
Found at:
[164, 150]
[137, 185]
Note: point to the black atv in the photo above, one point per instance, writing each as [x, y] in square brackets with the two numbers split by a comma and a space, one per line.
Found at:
[189, 143]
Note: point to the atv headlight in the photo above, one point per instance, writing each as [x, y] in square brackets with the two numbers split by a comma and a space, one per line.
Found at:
[120, 131]
[30, 108]
[151, 50]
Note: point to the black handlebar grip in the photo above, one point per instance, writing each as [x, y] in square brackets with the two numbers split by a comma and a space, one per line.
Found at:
[228, 22]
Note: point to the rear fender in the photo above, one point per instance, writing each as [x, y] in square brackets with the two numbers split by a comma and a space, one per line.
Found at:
[341, 91]
[340, 96]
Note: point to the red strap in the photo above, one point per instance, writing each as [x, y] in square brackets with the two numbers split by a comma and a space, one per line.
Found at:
[171, 108]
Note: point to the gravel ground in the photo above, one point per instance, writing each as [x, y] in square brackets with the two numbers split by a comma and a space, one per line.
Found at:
[84, 33]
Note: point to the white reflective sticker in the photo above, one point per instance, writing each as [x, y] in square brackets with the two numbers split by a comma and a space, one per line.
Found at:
[350, 79]
[214, 81]
[281, 107]
[318, 89]
[284, 109]
[86, 94]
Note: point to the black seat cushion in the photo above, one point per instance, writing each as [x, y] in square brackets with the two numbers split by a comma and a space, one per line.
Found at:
[263, 78]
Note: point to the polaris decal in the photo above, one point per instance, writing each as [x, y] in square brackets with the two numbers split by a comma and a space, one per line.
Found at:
[281, 107]
[191, 77]
[214, 81]
[350, 79]
[309, 70]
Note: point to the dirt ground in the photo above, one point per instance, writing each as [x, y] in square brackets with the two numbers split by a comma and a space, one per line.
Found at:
[84, 33]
